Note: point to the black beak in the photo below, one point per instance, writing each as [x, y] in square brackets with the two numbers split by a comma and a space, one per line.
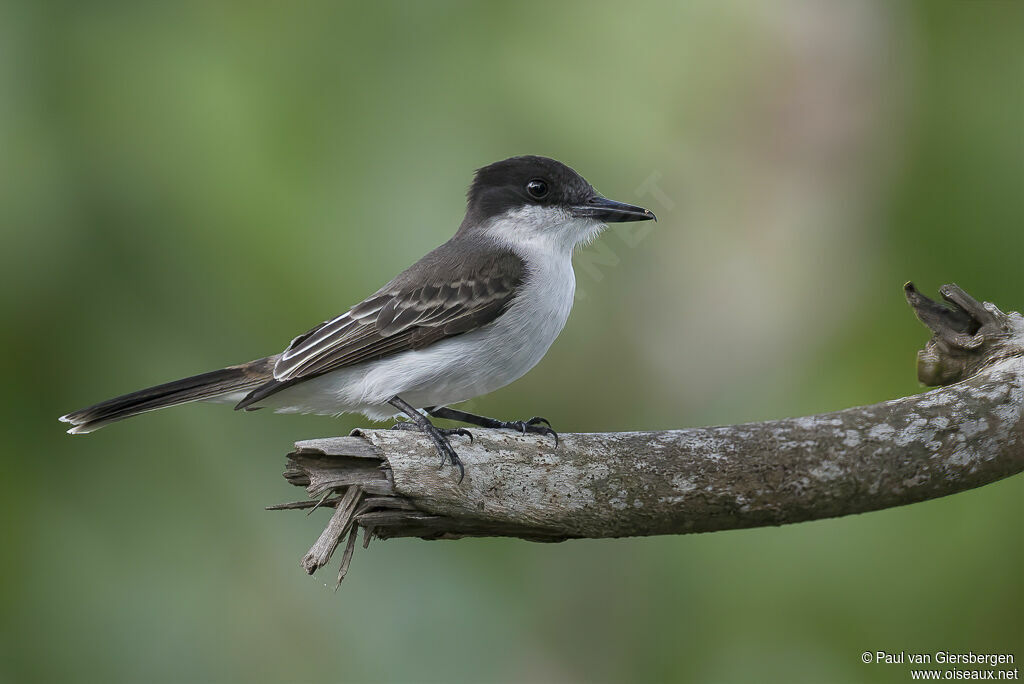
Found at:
[610, 211]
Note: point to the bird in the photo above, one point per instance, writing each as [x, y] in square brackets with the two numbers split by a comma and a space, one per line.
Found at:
[470, 317]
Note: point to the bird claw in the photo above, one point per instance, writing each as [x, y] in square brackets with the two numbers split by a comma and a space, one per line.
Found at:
[462, 432]
[535, 425]
[439, 436]
[448, 454]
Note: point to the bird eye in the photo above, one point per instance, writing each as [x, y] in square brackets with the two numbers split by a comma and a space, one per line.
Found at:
[537, 188]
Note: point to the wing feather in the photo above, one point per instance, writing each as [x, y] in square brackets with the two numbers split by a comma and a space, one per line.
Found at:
[418, 308]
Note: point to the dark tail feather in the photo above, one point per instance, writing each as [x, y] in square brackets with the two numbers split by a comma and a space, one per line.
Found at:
[204, 386]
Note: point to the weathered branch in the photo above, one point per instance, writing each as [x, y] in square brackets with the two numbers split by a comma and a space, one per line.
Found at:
[695, 480]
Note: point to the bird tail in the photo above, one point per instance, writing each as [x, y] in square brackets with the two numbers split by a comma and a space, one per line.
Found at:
[210, 385]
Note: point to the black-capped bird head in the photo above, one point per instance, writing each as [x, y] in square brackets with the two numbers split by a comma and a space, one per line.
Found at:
[538, 195]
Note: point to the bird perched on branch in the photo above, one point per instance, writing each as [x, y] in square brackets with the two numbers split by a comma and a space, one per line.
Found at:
[468, 318]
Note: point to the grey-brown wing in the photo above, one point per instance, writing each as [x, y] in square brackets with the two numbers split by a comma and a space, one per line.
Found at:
[443, 295]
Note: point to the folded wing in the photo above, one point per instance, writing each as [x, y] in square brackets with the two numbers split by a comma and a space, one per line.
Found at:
[444, 294]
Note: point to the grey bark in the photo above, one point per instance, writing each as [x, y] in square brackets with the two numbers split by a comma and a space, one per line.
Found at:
[968, 433]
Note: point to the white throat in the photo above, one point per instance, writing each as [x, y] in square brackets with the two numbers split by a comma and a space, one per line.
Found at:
[530, 231]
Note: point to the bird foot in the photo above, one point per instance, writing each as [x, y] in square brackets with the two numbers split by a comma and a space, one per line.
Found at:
[439, 437]
[535, 425]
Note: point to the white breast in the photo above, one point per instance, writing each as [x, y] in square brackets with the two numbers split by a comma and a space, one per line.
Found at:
[505, 350]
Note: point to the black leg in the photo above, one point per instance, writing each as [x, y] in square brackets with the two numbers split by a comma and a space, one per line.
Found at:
[536, 425]
[436, 436]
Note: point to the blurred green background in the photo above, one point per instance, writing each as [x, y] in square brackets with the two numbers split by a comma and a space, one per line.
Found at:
[188, 185]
